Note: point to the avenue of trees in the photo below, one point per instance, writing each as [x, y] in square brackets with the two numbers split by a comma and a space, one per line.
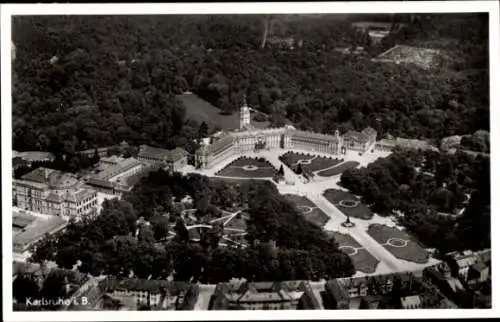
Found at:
[282, 244]
[86, 81]
[430, 188]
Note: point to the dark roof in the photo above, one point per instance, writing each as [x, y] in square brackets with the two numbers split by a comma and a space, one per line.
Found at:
[54, 178]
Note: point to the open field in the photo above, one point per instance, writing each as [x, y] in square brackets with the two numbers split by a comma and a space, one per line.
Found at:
[202, 111]
[363, 261]
[348, 203]
[309, 210]
[338, 169]
[400, 244]
[248, 168]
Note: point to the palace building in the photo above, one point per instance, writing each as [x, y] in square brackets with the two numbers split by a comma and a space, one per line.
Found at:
[53, 192]
[248, 138]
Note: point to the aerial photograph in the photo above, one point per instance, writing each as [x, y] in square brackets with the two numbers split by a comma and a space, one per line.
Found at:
[251, 162]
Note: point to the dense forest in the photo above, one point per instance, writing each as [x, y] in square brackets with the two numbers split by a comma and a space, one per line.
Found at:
[117, 243]
[430, 190]
[86, 81]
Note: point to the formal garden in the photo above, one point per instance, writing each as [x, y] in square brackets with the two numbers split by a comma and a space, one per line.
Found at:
[362, 260]
[309, 210]
[245, 167]
[348, 204]
[399, 243]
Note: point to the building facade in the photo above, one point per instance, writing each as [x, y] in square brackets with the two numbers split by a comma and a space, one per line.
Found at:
[53, 192]
[117, 174]
[172, 160]
[153, 294]
[292, 295]
[360, 141]
[248, 139]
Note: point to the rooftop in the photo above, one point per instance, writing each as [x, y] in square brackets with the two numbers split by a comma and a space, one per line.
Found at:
[37, 229]
[21, 220]
[162, 154]
[120, 167]
[33, 155]
[312, 135]
[261, 291]
[55, 179]
[113, 159]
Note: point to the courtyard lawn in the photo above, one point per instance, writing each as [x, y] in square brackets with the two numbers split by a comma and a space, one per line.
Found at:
[399, 243]
[348, 204]
[338, 169]
[248, 168]
[362, 260]
[309, 210]
[310, 162]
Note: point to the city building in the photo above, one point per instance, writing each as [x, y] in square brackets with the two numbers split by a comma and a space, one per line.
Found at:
[33, 156]
[101, 152]
[460, 262]
[249, 138]
[132, 294]
[367, 292]
[478, 273]
[291, 295]
[27, 229]
[113, 160]
[411, 302]
[118, 175]
[360, 141]
[441, 277]
[53, 192]
[172, 160]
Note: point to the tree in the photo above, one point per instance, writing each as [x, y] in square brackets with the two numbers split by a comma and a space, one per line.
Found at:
[24, 286]
[299, 169]
[181, 231]
[54, 285]
[160, 225]
[146, 234]
[45, 249]
[281, 171]
[203, 130]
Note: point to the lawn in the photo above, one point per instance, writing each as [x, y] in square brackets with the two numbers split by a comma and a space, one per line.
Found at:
[410, 252]
[291, 160]
[202, 111]
[248, 168]
[337, 197]
[338, 169]
[363, 261]
[309, 210]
